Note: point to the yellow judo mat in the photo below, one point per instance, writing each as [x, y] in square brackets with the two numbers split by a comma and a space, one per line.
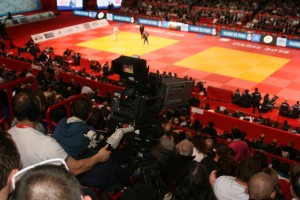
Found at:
[127, 44]
[233, 63]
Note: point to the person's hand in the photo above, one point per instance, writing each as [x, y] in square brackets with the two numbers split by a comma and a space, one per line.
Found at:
[213, 177]
[103, 154]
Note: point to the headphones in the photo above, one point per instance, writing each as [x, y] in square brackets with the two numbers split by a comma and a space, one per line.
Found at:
[31, 109]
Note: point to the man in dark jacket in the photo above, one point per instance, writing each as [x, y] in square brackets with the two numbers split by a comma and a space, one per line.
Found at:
[256, 97]
[81, 141]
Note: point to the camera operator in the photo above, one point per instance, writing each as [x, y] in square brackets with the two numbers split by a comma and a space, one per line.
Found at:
[81, 141]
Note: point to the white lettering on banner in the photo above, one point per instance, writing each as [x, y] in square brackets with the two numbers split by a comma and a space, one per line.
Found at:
[149, 22]
[294, 44]
[166, 32]
[70, 30]
[122, 18]
[270, 49]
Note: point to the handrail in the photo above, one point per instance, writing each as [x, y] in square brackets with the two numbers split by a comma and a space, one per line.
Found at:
[66, 103]
[253, 130]
[8, 86]
[252, 150]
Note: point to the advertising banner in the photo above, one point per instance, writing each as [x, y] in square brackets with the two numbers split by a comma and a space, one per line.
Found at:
[122, 18]
[149, 22]
[85, 13]
[281, 42]
[293, 43]
[236, 35]
[202, 29]
[30, 18]
[268, 39]
[68, 30]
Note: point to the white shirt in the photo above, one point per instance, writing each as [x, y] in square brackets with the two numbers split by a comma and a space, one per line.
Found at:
[86, 89]
[35, 147]
[226, 188]
[116, 30]
[198, 155]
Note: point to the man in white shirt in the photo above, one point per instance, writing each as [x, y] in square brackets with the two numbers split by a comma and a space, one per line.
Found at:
[34, 146]
[235, 188]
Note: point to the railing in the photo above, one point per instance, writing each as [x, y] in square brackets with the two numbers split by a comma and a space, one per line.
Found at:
[104, 88]
[253, 130]
[67, 104]
[219, 94]
[269, 155]
[8, 86]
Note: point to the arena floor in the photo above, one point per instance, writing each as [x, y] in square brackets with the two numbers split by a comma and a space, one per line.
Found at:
[221, 62]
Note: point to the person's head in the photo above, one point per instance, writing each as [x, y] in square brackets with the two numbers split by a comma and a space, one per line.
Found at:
[256, 89]
[58, 98]
[261, 186]
[168, 129]
[210, 145]
[211, 124]
[226, 166]
[48, 182]
[262, 136]
[82, 108]
[185, 147]
[97, 119]
[222, 149]
[248, 168]
[291, 143]
[9, 163]
[274, 142]
[261, 158]
[193, 183]
[294, 169]
[236, 133]
[274, 176]
[295, 186]
[25, 105]
[2, 81]
[199, 144]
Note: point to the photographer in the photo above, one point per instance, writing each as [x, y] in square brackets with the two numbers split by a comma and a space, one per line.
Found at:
[81, 141]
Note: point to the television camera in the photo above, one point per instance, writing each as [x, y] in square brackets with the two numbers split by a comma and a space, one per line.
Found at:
[144, 96]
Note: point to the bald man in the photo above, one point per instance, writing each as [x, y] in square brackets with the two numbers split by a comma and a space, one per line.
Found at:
[261, 186]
